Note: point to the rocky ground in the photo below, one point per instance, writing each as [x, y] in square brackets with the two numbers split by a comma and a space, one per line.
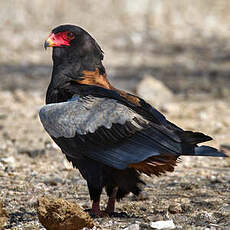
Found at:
[183, 44]
[195, 196]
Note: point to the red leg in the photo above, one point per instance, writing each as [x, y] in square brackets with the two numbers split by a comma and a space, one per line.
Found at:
[95, 211]
[111, 202]
[95, 207]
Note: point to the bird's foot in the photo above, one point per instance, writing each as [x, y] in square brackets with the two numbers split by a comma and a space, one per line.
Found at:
[106, 213]
[109, 210]
[97, 213]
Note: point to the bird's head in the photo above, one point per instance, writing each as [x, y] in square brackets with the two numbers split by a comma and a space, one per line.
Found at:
[71, 42]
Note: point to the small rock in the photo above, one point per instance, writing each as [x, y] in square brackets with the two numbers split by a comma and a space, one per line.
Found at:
[154, 91]
[175, 208]
[168, 224]
[133, 227]
[9, 161]
[3, 216]
[215, 180]
[60, 214]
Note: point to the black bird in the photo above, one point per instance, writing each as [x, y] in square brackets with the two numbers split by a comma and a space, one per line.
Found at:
[111, 136]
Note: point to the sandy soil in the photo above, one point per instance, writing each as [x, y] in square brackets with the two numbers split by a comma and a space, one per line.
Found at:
[196, 195]
[184, 44]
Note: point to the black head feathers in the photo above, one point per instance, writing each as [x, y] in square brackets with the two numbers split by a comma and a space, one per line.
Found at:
[81, 45]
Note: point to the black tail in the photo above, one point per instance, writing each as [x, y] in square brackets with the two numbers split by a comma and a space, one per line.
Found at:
[189, 145]
[193, 137]
[205, 151]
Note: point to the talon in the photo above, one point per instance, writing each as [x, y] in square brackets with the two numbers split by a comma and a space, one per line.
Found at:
[95, 212]
[98, 214]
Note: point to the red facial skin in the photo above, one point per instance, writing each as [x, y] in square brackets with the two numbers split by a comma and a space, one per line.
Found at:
[61, 38]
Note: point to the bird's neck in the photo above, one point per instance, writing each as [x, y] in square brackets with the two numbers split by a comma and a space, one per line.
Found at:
[65, 74]
[96, 77]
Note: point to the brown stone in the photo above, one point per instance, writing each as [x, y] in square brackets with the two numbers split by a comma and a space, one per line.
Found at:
[59, 214]
[154, 91]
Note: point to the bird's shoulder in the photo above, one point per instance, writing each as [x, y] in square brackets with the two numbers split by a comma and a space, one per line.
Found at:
[95, 83]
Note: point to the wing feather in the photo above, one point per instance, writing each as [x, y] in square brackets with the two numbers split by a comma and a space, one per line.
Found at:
[110, 132]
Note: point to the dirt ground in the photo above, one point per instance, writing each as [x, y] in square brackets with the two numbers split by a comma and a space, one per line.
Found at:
[195, 196]
[184, 44]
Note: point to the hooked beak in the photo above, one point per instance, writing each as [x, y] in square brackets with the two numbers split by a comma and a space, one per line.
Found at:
[49, 42]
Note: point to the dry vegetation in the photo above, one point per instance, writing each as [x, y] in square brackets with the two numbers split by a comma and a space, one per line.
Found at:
[185, 44]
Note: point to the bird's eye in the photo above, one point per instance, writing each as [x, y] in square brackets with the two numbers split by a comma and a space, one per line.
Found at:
[70, 35]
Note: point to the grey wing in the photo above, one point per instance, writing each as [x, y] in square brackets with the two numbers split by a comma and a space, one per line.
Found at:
[107, 131]
[83, 115]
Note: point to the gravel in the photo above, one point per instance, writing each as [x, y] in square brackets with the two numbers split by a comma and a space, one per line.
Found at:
[196, 195]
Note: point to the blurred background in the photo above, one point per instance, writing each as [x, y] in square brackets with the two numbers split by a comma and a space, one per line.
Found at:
[174, 54]
[185, 44]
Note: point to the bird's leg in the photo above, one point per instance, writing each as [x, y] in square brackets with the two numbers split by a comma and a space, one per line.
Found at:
[111, 202]
[95, 211]
[95, 194]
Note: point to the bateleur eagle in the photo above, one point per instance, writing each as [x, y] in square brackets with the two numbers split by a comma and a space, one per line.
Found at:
[111, 136]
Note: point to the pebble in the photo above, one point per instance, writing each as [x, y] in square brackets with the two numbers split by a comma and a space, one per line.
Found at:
[10, 161]
[133, 227]
[168, 224]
